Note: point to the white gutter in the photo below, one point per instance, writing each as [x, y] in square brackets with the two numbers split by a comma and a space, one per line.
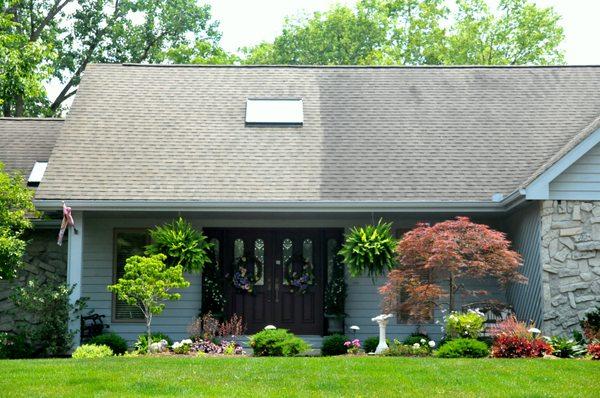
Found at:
[287, 206]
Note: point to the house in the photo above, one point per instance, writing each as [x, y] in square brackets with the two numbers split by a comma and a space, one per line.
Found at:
[281, 160]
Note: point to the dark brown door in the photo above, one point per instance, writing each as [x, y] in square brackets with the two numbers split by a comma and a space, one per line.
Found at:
[280, 297]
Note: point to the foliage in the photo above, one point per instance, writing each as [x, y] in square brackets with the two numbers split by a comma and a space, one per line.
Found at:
[594, 351]
[233, 327]
[418, 32]
[336, 289]
[591, 325]
[49, 311]
[209, 328]
[333, 345]
[15, 205]
[92, 351]
[369, 249]
[370, 344]
[467, 324]
[512, 327]
[64, 37]
[415, 338]
[181, 244]
[512, 346]
[117, 344]
[213, 298]
[353, 346]
[449, 252]
[225, 347]
[182, 347]
[147, 283]
[141, 345]
[564, 347]
[276, 343]
[463, 348]
[397, 349]
[14, 346]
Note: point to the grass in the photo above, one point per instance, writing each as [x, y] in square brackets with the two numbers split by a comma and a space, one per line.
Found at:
[301, 377]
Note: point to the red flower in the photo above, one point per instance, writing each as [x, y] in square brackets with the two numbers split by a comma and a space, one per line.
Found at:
[594, 350]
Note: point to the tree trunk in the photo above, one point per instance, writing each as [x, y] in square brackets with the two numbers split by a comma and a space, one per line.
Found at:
[19, 106]
[452, 291]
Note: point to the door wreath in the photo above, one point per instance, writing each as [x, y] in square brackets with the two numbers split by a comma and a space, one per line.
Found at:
[299, 281]
[249, 270]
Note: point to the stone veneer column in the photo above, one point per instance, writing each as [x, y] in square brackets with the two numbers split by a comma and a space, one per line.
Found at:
[570, 257]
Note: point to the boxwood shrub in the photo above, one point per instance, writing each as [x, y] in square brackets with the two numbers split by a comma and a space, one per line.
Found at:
[463, 348]
[116, 343]
[92, 351]
[334, 345]
[277, 343]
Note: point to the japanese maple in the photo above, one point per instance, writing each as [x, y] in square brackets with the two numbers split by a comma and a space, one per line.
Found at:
[434, 261]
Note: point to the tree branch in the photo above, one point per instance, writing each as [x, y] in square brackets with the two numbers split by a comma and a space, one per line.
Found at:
[56, 8]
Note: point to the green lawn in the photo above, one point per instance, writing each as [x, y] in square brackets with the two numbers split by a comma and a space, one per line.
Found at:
[309, 377]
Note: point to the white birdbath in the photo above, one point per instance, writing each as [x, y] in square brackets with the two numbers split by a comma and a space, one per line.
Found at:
[382, 321]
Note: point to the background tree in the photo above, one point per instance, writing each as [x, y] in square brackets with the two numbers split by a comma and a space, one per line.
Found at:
[84, 32]
[15, 205]
[448, 252]
[147, 283]
[418, 32]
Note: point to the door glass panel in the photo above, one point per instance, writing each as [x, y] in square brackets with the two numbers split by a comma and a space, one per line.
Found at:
[288, 251]
[238, 248]
[331, 253]
[307, 250]
[259, 253]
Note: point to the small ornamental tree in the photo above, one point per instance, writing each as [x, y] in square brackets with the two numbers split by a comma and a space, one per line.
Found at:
[15, 205]
[447, 252]
[147, 284]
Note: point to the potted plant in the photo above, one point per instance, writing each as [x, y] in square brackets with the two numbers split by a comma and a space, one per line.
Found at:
[335, 298]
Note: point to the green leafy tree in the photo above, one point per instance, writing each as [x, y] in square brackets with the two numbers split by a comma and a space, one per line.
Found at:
[418, 32]
[148, 284]
[93, 31]
[15, 206]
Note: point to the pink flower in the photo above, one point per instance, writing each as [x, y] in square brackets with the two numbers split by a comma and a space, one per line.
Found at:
[348, 343]
[356, 343]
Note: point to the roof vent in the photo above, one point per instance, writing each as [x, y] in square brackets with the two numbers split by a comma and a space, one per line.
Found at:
[37, 173]
[274, 111]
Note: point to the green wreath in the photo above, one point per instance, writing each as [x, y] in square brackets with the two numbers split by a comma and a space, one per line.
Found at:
[299, 280]
[244, 279]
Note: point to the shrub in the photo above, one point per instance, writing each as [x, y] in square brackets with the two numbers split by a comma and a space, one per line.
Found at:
[369, 249]
[141, 345]
[182, 347]
[507, 346]
[334, 345]
[397, 349]
[511, 327]
[563, 347]
[415, 338]
[370, 344]
[224, 347]
[277, 343]
[464, 325]
[14, 345]
[92, 351]
[207, 327]
[591, 325]
[594, 350]
[116, 343]
[463, 348]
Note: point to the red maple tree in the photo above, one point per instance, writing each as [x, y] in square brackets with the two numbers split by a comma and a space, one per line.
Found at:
[434, 261]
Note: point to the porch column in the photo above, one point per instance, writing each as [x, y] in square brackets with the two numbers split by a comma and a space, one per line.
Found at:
[74, 268]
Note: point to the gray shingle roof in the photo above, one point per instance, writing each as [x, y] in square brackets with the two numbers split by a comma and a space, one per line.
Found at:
[23, 141]
[140, 132]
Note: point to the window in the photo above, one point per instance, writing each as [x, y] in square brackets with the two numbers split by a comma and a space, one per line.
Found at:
[37, 173]
[274, 111]
[127, 243]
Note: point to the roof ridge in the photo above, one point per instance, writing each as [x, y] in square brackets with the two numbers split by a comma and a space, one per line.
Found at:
[350, 66]
[22, 119]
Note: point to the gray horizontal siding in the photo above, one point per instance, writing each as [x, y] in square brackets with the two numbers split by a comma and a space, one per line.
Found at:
[581, 181]
[524, 231]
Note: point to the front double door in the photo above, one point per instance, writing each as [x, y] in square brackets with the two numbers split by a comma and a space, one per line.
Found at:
[287, 266]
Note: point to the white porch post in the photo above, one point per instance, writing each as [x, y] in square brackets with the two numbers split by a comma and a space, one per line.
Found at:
[74, 267]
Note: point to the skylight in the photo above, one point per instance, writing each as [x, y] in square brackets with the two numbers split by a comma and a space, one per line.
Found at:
[274, 111]
[37, 173]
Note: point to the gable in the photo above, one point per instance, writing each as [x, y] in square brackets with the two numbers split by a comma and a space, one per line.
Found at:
[581, 180]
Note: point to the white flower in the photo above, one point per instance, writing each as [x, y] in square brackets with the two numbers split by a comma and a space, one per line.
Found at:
[416, 345]
[186, 341]
[431, 343]
[534, 330]
[423, 341]
[176, 345]
[270, 327]
[354, 327]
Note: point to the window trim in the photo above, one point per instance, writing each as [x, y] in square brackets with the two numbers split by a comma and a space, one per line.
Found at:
[113, 306]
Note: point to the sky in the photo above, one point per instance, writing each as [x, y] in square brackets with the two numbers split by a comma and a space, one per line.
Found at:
[247, 22]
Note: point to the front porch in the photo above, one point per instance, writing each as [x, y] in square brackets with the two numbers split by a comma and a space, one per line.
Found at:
[105, 239]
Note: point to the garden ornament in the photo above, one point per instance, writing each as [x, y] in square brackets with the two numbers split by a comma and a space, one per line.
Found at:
[382, 321]
[159, 347]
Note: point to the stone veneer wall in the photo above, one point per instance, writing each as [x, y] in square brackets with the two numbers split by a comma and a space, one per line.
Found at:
[44, 260]
[570, 257]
